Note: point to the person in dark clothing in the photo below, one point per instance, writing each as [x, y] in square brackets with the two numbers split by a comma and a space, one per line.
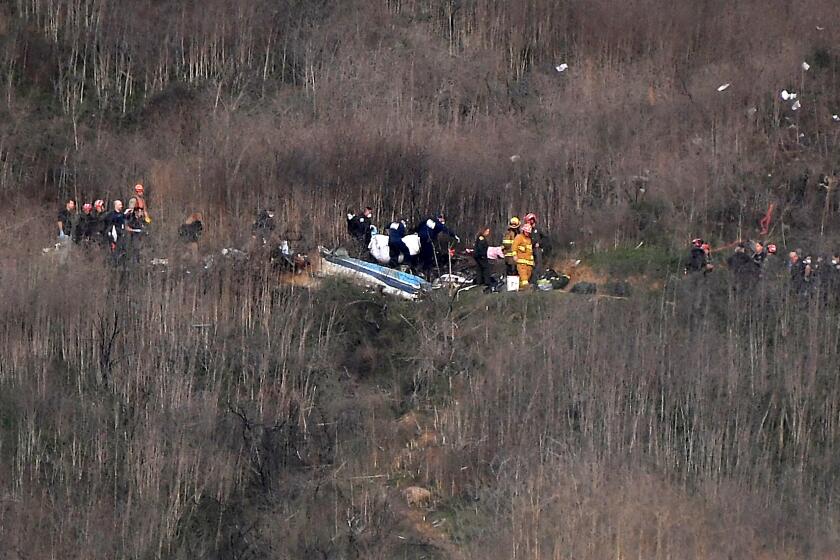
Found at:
[396, 245]
[758, 252]
[428, 231]
[85, 230]
[67, 220]
[135, 226]
[115, 232]
[698, 258]
[361, 229]
[483, 277]
[830, 276]
[799, 272]
[263, 227]
[190, 232]
[100, 223]
[742, 265]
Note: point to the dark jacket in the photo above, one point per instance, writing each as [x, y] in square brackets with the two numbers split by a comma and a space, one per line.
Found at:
[397, 232]
[114, 226]
[428, 230]
[742, 265]
[67, 220]
[191, 232]
[263, 226]
[697, 260]
[134, 223]
[480, 249]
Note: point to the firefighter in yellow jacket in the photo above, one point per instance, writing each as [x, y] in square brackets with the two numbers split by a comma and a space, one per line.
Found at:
[507, 246]
[524, 251]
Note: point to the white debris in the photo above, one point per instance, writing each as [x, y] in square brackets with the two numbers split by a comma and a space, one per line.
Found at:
[805, 66]
[835, 118]
[788, 95]
[820, 28]
[796, 105]
[562, 67]
[515, 157]
[724, 86]
[751, 111]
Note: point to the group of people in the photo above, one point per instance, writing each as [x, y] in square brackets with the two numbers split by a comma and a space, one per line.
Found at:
[119, 230]
[521, 246]
[752, 260]
[522, 249]
[747, 260]
[362, 229]
[808, 272]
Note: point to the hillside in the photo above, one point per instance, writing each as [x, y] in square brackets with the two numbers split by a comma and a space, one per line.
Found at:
[185, 412]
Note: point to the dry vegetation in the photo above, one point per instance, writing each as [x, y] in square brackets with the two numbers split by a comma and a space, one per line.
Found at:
[225, 417]
[218, 415]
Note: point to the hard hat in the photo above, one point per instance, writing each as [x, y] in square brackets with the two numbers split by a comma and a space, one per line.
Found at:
[527, 228]
[515, 222]
[138, 188]
[531, 218]
[99, 204]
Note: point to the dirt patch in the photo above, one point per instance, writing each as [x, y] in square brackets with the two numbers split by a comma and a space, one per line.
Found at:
[582, 272]
[578, 273]
[303, 280]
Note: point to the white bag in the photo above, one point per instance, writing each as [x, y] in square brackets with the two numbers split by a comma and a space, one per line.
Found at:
[381, 252]
[513, 283]
[378, 247]
[413, 243]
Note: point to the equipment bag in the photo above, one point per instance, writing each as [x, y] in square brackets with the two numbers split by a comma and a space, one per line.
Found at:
[584, 288]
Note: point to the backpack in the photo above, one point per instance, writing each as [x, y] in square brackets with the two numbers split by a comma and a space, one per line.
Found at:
[558, 281]
[584, 288]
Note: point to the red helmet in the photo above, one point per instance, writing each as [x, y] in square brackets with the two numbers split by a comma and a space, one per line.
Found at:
[99, 204]
[530, 218]
[772, 249]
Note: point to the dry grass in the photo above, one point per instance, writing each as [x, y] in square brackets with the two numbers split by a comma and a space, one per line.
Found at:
[224, 415]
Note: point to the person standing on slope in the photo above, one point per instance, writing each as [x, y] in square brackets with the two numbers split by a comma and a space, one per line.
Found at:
[507, 246]
[139, 201]
[396, 245]
[428, 232]
[536, 243]
[524, 250]
[481, 260]
[361, 228]
[67, 220]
